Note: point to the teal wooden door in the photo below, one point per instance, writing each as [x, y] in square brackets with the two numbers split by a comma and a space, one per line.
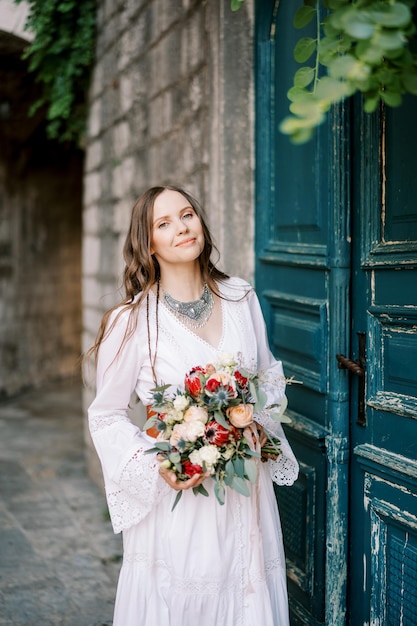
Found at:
[302, 277]
[336, 251]
[383, 488]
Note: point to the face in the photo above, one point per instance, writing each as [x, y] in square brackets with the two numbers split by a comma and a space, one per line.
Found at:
[177, 233]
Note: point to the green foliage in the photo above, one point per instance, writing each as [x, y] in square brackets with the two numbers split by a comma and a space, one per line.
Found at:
[236, 4]
[365, 46]
[61, 56]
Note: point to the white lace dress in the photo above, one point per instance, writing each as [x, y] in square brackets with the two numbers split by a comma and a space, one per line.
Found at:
[202, 563]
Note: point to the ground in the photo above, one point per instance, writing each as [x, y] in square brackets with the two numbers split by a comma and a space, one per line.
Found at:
[59, 559]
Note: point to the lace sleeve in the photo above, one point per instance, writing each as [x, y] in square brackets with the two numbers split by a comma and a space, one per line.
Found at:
[131, 477]
[284, 471]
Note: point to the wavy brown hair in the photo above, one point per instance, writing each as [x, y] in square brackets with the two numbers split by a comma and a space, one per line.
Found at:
[142, 271]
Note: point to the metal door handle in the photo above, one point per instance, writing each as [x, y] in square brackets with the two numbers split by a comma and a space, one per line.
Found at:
[358, 368]
[353, 366]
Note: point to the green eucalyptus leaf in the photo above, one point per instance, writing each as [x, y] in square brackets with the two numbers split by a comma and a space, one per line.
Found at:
[220, 419]
[163, 445]
[177, 499]
[304, 76]
[200, 489]
[251, 470]
[239, 466]
[229, 473]
[303, 16]
[219, 492]
[304, 49]
[240, 485]
[260, 400]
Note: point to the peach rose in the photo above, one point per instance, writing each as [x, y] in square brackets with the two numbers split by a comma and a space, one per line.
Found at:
[240, 415]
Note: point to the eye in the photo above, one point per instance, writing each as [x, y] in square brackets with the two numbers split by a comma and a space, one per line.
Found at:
[162, 225]
[188, 215]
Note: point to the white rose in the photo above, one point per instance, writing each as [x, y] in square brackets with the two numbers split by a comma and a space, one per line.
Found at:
[181, 402]
[196, 413]
[209, 455]
[195, 457]
[227, 359]
[193, 430]
[172, 416]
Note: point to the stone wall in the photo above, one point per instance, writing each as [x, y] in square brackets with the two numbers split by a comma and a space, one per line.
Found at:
[40, 238]
[170, 102]
[40, 272]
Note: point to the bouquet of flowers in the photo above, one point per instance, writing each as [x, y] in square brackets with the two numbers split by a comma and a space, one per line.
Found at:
[209, 427]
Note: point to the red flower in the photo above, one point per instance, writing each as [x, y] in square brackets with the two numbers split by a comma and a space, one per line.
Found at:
[212, 384]
[216, 434]
[242, 381]
[190, 469]
[193, 382]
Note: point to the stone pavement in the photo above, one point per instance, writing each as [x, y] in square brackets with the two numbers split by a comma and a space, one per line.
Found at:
[59, 558]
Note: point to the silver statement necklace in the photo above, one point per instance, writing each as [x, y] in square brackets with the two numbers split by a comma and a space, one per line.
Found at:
[196, 313]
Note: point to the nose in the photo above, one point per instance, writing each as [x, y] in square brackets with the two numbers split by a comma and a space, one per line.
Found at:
[182, 226]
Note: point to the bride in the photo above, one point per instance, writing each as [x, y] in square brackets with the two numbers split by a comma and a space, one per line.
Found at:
[201, 563]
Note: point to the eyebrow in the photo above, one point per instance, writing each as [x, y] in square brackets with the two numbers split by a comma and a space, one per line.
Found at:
[167, 217]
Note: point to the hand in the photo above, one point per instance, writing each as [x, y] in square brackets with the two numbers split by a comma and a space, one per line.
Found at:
[170, 477]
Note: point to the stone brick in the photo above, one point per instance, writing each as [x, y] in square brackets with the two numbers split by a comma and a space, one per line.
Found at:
[94, 156]
[121, 139]
[91, 255]
[92, 291]
[170, 57]
[141, 32]
[94, 119]
[92, 188]
[122, 212]
[193, 48]
[126, 93]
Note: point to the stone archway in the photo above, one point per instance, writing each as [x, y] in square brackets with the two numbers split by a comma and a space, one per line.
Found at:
[40, 230]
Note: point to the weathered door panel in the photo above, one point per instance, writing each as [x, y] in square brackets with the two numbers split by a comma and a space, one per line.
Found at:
[302, 269]
[383, 500]
[324, 279]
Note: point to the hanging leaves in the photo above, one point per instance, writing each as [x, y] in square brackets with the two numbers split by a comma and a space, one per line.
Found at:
[364, 46]
[61, 56]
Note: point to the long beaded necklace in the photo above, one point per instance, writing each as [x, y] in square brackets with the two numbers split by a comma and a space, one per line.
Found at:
[196, 313]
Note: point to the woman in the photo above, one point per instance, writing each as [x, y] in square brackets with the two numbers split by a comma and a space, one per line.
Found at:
[201, 563]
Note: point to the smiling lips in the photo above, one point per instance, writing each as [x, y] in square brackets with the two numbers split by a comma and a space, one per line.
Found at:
[185, 241]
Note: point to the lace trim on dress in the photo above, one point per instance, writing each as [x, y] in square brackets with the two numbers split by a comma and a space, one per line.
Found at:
[102, 421]
[284, 470]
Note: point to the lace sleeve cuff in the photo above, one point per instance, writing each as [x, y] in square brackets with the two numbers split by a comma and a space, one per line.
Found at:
[284, 471]
[132, 481]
